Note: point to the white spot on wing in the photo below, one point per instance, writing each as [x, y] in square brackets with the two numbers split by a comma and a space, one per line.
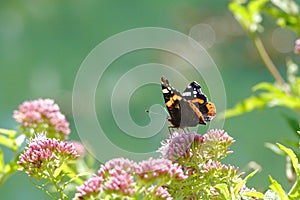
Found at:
[165, 91]
[186, 94]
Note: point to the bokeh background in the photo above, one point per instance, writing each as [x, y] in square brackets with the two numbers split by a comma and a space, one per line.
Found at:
[43, 43]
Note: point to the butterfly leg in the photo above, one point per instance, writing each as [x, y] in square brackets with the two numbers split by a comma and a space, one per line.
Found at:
[171, 129]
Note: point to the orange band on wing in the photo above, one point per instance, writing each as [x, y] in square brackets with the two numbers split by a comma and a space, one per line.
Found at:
[198, 113]
[197, 100]
[211, 109]
[172, 100]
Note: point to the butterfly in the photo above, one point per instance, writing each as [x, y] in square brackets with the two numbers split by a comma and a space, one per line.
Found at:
[189, 108]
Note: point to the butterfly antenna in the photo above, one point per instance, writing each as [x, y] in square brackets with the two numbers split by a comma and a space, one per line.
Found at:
[148, 111]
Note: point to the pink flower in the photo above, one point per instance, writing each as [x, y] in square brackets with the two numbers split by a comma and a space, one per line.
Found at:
[160, 193]
[118, 176]
[90, 188]
[121, 178]
[215, 144]
[218, 135]
[44, 154]
[42, 115]
[158, 168]
[178, 146]
[214, 169]
[297, 46]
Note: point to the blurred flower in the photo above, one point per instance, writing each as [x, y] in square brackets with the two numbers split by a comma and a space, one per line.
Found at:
[43, 155]
[42, 115]
[117, 176]
[90, 188]
[160, 170]
[297, 46]
[79, 148]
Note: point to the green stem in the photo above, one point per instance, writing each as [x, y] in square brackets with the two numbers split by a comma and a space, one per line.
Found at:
[56, 185]
[268, 62]
[295, 188]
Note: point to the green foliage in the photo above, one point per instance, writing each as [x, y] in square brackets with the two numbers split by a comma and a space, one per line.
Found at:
[277, 192]
[250, 13]
[272, 94]
[285, 13]
[208, 177]
[11, 140]
[282, 93]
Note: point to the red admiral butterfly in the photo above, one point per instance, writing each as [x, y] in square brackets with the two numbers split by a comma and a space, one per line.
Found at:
[189, 108]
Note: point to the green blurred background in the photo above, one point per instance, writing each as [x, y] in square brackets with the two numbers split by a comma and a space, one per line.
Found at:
[43, 43]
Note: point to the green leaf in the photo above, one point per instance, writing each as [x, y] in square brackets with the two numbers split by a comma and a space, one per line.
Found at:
[274, 148]
[293, 158]
[10, 133]
[239, 186]
[272, 96]
[58, 171]
[71, 173]
[267, 86]
[223, 190]
[276, 187]
[254, 194]
[8, 142]
[1, 161]
[255, 6]
[246, 105]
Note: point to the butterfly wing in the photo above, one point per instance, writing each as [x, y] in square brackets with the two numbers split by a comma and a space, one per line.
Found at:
[183, 113]
[194, 94]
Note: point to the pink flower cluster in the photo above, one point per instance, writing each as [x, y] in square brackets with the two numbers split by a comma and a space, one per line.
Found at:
[218, 135]
[177, 146]
[297, 46]
[217, 166]
[156, 168]
[123, 177]
[91, 187]
[117, 175]
[43, 154]
[160, 192]
[42, 115]
[185, 146]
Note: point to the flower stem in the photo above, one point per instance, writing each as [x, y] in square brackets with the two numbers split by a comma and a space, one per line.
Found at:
[56, 185]
[268, 62]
